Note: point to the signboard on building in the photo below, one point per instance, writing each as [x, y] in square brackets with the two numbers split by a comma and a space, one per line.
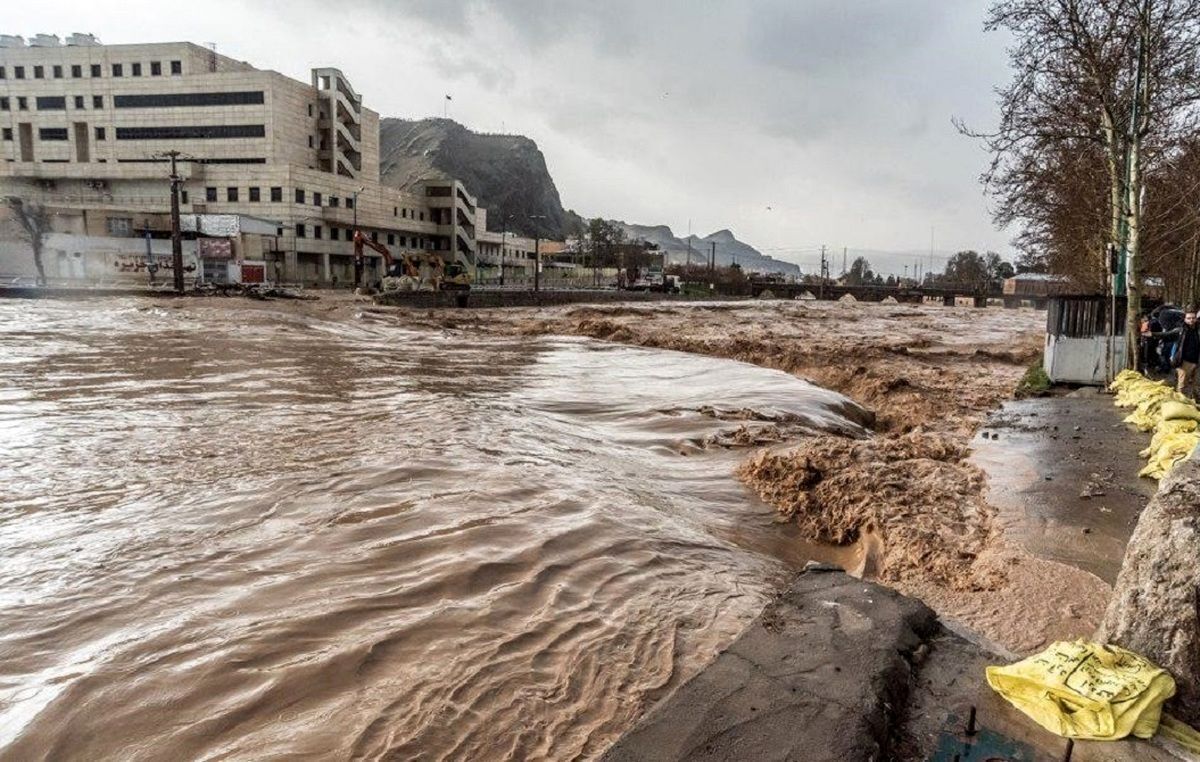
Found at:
[215, 248]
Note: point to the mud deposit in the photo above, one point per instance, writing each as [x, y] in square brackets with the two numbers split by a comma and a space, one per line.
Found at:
[228, 532]
[909, 497]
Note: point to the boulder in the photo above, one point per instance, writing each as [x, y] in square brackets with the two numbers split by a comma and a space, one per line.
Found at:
[1155, 607]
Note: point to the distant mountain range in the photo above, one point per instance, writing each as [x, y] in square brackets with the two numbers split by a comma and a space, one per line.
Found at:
[728, 249]
[508, 176]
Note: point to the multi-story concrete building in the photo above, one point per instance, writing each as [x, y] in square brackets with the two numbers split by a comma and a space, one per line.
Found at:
[86, 129]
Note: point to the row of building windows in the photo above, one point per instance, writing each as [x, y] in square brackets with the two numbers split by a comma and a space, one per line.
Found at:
[347, 234]
[176, 100]
[50, 103]
[150, 100]
[192, 132]
[95, 70]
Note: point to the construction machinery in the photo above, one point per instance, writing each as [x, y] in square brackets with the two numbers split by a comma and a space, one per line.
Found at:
[413, 271]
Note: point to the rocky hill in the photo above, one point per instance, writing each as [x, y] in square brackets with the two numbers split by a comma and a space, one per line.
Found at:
[508, 176]
[506, 173]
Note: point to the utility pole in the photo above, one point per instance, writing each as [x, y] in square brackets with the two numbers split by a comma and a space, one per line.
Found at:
[689, 253]
[537, 253]
[824, 274]
[503, 241]
[844, 270]
[712, 260]
[176, 237]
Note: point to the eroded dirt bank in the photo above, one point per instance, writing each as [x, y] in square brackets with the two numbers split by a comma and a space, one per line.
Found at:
[908, 496]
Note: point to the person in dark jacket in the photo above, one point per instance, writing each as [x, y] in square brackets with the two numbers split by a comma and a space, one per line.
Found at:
[1187, 355]
[1170, 322]
[1149, 360]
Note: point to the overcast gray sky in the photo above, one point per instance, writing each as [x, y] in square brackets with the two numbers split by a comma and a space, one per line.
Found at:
[792, 122]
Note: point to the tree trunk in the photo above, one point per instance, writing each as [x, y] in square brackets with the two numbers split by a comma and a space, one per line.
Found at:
[1133, 266]
[1155, 607]
[37, 262]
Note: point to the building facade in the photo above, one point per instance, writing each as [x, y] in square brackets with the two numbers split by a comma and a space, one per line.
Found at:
[86, 128]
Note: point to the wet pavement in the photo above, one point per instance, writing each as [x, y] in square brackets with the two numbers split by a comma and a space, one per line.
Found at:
[1062, 471]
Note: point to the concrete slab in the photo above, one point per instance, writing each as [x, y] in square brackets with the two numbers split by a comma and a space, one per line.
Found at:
[815, 677]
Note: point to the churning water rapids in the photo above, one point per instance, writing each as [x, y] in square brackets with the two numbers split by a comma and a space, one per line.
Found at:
[233, 533]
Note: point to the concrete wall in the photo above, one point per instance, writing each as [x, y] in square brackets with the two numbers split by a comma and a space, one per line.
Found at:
[1081, 360]
[89, 260]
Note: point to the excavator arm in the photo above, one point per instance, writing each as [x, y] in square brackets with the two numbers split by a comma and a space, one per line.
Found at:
[361, 240]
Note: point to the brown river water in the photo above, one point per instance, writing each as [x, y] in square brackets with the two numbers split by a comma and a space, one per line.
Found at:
[229, 533]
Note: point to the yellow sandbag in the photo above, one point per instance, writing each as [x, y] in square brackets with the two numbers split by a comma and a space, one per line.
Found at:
[1172, 449]
[1174, 410]
[1086, 690]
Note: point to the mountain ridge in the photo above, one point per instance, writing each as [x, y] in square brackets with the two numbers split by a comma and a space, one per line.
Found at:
[508, 176]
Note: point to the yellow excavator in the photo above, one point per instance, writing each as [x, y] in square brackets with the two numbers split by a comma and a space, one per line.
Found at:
[413, 272]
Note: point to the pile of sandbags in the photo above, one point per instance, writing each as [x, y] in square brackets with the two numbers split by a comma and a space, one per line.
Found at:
[1172, 417]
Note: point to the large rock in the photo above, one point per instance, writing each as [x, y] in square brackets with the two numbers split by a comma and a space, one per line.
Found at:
[1155, 608]
[819, 675]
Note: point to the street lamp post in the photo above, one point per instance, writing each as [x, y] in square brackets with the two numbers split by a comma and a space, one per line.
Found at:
[537, 254]
[358, 260]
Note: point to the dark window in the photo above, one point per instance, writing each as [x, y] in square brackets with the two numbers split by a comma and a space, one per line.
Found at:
[95, 70]
[52, 133]
[299, 195]
[100, 133]
[136, 69]
[375, 236]
[177, 67]
[310, 109]
[310, 141]
[316, 231]
[79, 101]
[51, 103]
[199, 132]
[210, 194]
[118, 70]
[58, 72]
[277, 194]
[38, 72]
[22, 103]
[76, 71]
[299, 229]
[254, 194]
[238, 160]
[422, 216]
[231, 194]
[3, 73]
[4, 103]
[156, 68]
[183, 196]
[334, 201]
[8, 133]
[19, 72]
[333, 233]
[97, 101]
[395, 211]
[350, 203]
[160, 100]
[316, 199]
[391, 239]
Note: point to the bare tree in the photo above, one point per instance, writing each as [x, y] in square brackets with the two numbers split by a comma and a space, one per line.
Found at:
[1102, 93]
[34, 222]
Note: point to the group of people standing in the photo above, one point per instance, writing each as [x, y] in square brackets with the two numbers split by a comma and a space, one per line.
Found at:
[1170, 342]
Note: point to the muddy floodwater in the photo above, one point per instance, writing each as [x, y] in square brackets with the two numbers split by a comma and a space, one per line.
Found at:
[229, 533]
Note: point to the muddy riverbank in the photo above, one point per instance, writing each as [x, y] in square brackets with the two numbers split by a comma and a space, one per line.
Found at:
[909, 499]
